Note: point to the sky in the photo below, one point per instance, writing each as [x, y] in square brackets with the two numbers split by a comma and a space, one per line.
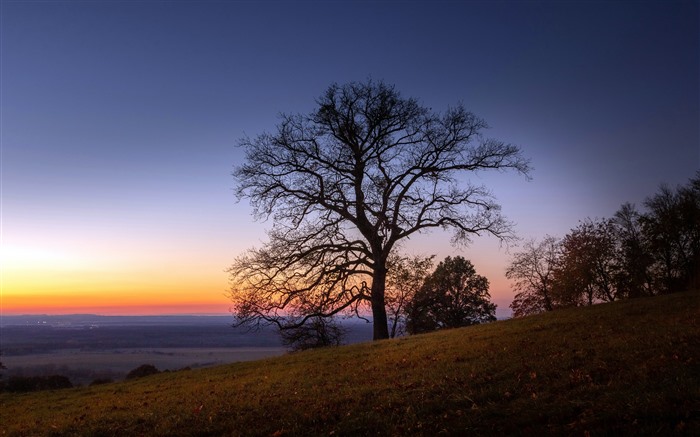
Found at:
[120, 122]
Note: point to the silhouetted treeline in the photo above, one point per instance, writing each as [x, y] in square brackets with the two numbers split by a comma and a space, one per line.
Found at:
[78, 375]
[632, 254]
[22, 384]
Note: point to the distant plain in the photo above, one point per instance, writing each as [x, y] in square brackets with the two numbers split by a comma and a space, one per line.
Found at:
[84, 367]
[88, 347]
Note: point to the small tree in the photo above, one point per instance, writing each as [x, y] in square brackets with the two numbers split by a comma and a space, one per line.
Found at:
[532, 273]
[635, 278]
[101, 381]
[451, 297]
[142, 370]
[404, 278]
[589, 267]
[315, 333]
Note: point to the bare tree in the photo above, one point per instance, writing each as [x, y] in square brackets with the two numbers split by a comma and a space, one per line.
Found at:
[532, 271]
[344, 186]
[316, 333]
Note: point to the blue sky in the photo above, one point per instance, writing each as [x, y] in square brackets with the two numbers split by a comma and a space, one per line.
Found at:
[120, 119]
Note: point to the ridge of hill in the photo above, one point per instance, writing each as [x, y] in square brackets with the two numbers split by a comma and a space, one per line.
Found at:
[624, 368]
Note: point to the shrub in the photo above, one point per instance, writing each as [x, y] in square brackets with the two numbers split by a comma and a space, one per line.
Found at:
[100, 381]
[142, 370]
[315, 333]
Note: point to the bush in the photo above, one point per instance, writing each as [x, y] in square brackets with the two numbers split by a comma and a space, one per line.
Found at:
[142, 370]
[315, 333]
[100, 381]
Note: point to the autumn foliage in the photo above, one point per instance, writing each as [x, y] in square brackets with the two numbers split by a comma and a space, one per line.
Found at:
[632, 254]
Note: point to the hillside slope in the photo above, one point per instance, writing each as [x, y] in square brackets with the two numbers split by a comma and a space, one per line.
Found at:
[629, 367]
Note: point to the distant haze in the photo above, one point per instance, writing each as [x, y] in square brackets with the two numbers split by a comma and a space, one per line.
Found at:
[86, 347]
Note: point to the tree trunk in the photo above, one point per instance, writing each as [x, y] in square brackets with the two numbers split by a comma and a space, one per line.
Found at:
[547, 300]
[379, 319]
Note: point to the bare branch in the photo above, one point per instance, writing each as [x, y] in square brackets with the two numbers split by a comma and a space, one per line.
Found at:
[346, 184]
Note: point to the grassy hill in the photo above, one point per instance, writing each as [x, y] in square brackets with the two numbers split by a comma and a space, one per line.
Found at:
[629, 367]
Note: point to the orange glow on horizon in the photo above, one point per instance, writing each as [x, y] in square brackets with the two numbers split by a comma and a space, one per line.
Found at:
[125, 303]
[48, 281]
[120, 310]
[148, 282]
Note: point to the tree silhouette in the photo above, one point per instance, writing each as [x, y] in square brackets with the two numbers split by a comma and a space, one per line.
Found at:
[672, 229]
[347, 183]
[142, 370]
[532, 271]
[405, 277]
[315, 333]
[590, 264]
[635, 276]
[451, 297]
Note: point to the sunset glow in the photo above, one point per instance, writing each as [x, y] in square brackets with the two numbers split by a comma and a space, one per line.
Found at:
[46, 280]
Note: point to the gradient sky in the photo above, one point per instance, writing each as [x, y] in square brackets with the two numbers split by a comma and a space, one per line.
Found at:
[120, 121]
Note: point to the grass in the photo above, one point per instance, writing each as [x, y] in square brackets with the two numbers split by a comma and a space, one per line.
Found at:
[626, 368]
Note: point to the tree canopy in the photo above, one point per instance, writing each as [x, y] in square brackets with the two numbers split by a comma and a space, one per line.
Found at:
[532, 272]
[406, 276]
[632, 254]
[451, 297]
[344, 186]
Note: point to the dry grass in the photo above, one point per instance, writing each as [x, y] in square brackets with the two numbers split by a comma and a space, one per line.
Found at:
[630, 368]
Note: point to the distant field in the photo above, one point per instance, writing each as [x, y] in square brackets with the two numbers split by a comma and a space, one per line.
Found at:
[87, 347]
[30, 340]
[83, 367]
[38, 335]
